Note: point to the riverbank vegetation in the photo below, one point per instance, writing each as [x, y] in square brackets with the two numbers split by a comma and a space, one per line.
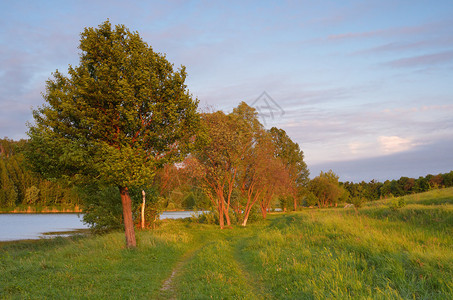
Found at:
[21, 190]
[336, 253]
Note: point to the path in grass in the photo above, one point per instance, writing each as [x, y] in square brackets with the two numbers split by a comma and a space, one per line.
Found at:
[215, 269]
[256, 285]
[167, 290]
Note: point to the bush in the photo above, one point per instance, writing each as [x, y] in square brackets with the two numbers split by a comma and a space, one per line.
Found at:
[32, 195]
[396, 203]
[358, 201]
[310, 200]
[103, 210]
[209, 217]
[286, 203]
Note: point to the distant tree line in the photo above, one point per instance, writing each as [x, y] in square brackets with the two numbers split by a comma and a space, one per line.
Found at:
[374, 190]
[21, 187]
[325, 190]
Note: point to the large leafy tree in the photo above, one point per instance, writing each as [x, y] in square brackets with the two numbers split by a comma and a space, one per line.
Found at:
[218, 151]
[222, 150]
[326, 188]
[115, 118]
[293, 158]
[261, 173]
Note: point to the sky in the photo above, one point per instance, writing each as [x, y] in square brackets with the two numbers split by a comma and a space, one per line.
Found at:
[364, 87]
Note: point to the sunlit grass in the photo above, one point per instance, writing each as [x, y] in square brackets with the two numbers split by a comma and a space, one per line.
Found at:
[377, 253]
[98, 267]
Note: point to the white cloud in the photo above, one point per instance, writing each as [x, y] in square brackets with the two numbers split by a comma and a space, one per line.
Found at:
[394, 144]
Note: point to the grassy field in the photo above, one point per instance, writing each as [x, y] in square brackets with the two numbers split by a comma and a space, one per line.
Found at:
[377, 253]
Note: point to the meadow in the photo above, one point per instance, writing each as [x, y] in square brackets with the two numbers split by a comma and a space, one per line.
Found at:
[378, 252]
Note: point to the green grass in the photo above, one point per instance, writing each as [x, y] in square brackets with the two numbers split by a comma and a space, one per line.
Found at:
[378, 253]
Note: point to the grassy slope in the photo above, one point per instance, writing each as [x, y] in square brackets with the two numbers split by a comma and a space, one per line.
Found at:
[313, 254]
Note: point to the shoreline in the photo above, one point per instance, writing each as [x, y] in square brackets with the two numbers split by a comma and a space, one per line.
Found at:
[44, 210]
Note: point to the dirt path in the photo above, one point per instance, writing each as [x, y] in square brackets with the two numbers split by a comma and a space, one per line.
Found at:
[254, 283]
[167, 290]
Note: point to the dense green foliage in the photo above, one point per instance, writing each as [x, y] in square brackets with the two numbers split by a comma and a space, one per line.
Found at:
[293, 159]
[312, 254]
[103, 212]
[326, 190]
[117, 117]
[20, 188]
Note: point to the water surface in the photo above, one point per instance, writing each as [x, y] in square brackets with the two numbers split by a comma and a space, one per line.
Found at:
[34, 226]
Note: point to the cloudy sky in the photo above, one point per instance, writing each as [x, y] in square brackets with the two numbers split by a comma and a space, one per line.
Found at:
[364, 87]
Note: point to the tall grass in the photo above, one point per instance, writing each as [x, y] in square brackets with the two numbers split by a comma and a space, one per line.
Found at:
[378, 253]
[92, 267]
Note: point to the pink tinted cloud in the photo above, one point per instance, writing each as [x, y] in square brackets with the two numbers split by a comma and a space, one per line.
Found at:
[408, 30]
[422, 60]
[434, 29]
[413, 45]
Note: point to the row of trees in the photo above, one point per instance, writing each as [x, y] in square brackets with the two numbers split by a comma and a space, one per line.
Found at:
[374, 190]
[238, 166]
[20, 187]
[326, 190]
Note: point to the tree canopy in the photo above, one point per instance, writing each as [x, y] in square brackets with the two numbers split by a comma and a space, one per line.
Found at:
[293, 159]
[240, 164]
[115, 118]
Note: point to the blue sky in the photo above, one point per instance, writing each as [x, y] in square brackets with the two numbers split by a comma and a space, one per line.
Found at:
[364, 87]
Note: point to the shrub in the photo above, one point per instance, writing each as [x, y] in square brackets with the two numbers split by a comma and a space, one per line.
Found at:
[206, 218]
[358, 201]
[32, 195]
[310, 199]
[396, 203]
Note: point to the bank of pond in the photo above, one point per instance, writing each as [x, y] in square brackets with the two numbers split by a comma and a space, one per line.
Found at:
[23, 226]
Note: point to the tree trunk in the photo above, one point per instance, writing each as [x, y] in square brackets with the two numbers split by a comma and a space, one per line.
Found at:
[221, 207]
[221, 222]
[143, 210]
[227, 216]
[263, 210]
[244, 223]
[127, 217]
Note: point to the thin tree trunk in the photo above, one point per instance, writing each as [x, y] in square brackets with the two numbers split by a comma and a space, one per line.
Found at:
[127, 217]
[244, 223]
[230, 190]
[143, 209]
[223, 211]
[263, 210]
[227, 216]
[249, 207]
[220, 208]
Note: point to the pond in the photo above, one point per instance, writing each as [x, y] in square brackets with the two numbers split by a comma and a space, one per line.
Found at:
[34, 226]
